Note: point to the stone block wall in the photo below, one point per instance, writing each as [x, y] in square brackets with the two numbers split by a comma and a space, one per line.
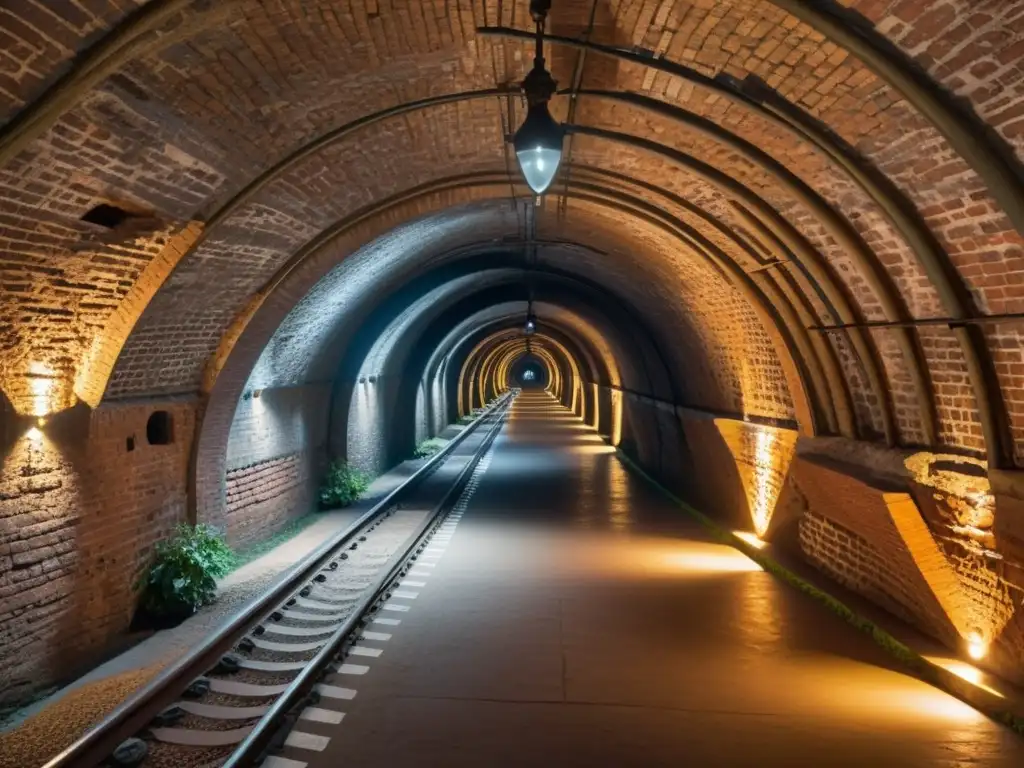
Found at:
[83, 499]
[372, 441]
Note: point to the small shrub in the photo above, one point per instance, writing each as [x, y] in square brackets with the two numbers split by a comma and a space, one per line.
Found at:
[428, 448]
[183, 575]
[463, 420]
[343, 485]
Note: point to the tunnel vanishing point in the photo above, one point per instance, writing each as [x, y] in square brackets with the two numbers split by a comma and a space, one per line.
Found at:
[780, 267]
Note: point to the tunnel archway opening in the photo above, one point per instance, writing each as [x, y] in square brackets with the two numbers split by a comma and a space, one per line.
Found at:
[529, 373]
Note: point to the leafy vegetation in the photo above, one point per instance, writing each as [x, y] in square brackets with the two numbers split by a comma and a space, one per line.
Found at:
[183, 575]
[428, 448]
[463, 420]
[343, 485]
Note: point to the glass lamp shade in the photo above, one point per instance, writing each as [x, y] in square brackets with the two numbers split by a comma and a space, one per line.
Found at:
[538, 145]
[539, 166]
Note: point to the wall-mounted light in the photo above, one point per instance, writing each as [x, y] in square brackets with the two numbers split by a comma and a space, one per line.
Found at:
[373, 379]
[257, 393]
[538, 142]
[977, 648]
[34, 434]
[362, 379]
[751, 539]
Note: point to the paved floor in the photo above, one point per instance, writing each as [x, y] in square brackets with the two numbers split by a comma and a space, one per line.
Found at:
[576, 618]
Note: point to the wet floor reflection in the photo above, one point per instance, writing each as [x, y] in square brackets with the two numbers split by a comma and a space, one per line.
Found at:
[581, 455]
[654, 616]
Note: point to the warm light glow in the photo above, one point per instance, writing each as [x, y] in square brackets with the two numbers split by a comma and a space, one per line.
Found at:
[41, 383]
[34, 435]
[594, 450]
[977, 648]
[40, 422]
[763, 502]
[964, 671]
[751, 539]
[616, 433]
[712, 558]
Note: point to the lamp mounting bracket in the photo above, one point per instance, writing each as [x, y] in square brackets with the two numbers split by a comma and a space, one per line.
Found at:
[539, 10]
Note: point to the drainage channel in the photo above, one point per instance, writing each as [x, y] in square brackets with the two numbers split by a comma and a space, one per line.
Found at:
[298, 651]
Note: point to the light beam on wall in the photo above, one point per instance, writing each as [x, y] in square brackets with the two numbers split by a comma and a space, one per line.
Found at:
[42, 385]
[616, 432]
[764, 495]
[963, 497]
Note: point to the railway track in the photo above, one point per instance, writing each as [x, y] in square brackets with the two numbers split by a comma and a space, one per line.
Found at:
[234, 698]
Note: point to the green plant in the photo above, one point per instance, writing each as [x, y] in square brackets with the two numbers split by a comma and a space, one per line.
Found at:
[343, 485]
[428, 448]
[183, 574]
[463, 420]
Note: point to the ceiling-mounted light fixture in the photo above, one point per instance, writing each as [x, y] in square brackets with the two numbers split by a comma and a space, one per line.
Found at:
[531, 320]
[538, 142]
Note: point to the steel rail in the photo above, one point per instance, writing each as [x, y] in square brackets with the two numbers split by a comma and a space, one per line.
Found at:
[263, 733]
[135, 714]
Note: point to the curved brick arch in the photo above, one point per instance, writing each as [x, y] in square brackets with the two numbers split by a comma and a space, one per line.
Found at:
[385, 366]
[599, 362]
[901, 116]
[304, 275]
[949, 428]
[465, 341]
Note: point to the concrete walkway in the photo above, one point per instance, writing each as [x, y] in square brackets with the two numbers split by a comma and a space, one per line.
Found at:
[576, 618]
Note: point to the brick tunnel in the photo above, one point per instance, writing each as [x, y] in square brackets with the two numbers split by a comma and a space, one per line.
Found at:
[779, 271]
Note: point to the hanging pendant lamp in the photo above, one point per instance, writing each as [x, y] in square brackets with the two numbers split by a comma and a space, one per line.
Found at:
[538, 142]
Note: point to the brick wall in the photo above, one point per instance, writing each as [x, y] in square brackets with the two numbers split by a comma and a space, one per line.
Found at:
[79, 514]
[264, 496]
[277, 452]
[856, 563]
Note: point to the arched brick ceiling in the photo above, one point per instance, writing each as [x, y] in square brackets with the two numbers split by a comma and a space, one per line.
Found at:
[669, 288]
[825, 135]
